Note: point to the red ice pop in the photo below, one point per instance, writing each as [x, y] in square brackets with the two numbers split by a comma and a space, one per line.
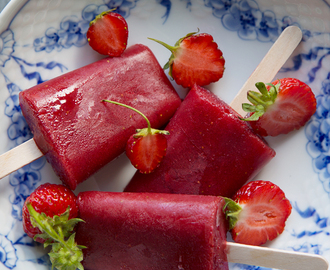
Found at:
[78, 133]
[151, 231]
[210, 151]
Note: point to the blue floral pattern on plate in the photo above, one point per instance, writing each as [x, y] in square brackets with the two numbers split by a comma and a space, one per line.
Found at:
[248, 19]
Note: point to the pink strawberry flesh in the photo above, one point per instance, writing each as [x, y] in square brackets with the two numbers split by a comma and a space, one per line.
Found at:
[108, 34]
[265, 210]
[198, 61]
[195, 59]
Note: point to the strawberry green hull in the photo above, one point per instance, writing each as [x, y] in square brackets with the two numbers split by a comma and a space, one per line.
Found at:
[210, 151]
[77, 132]
[146, 231]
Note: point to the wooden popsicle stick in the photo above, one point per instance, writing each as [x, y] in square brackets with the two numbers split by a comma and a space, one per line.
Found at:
[274, 258]
[18, 157]
[269, 66]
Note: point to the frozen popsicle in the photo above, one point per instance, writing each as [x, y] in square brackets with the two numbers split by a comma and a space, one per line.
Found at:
[210, 151]
[151, 231]
[145, 231]
[78, 133]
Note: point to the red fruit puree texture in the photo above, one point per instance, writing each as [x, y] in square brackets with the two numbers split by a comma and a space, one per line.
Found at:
[210, 151]
[150, 231]
[77, 132]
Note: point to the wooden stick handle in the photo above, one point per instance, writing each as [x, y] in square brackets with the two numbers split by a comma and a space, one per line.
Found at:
[18, 157]
[274, 258]
[269, 66]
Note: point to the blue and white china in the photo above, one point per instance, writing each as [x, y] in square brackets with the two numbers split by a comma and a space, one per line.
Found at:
[41, 39]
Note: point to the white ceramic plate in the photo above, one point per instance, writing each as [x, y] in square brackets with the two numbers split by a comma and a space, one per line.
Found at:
[40, 39]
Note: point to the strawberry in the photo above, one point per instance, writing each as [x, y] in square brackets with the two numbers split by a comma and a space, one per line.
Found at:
[195, 59]
[49, 216]
[280, 107]
[147, 147]
[257, 213]
[45, 199]
[108, 33]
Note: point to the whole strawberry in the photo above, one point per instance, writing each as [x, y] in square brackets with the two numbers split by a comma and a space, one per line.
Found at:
[49, 216]
[280, 107]
[257, 213]
[195, 59]
[108, 33]
[52, 200]
[147, 147]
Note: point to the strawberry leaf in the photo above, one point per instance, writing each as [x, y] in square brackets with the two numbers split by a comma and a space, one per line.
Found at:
[260, 100]
[186, 36]
[68, 256]
[255, 98]
[167, 65]
[262, 88]
[65, 254]
[145, 131]
[248, 107]
[273, 90]
[231, 210]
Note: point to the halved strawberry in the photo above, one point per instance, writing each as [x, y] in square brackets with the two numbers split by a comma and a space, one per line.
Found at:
[257, 213]
[280, 107]
[195, 59]
[146, 151]
[147, 147]
[108, 33]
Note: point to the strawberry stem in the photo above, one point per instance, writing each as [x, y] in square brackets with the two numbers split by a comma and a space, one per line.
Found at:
[135, 110]
[174, 50]
[171, 48]
[99, 16]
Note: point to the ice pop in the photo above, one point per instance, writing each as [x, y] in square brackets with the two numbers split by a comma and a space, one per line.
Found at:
[210, 151]
[78, 133]
[151, 231]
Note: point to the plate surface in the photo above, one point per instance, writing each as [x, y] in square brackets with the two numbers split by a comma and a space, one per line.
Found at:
[43, 39]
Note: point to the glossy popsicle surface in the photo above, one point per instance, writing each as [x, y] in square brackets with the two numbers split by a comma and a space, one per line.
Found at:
[146, 231]
[77, 132]
[210, 150]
